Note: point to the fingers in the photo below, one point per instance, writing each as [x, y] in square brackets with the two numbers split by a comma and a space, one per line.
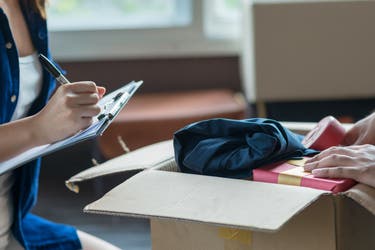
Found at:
[83, 94]
[337, 172]
[348, 151]
[82, 98]
[101, 91]
[70, 109]
[75, 100]
[84, 87]
[330, 161]
[335, 156]
[89, 111]
[351, 162]
[81, 87]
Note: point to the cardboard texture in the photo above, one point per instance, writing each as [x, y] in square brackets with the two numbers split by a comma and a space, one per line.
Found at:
[163, 194]
[355, 226]
[140, 159]
[167, 234]
[211, 213]
[201, 212]
[363, 195]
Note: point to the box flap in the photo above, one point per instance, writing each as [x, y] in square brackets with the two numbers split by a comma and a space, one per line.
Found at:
[220, 201]
[140, 159]
[364, 195]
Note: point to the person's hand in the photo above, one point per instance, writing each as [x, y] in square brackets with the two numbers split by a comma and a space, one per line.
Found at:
[354, 162]
[70, 110]
[363, 132]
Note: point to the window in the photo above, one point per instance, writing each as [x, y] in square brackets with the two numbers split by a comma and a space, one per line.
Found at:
[222, 19]
[117, 14]
[101, 29]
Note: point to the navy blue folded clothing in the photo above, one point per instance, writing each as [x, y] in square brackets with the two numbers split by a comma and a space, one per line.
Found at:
[233, 148]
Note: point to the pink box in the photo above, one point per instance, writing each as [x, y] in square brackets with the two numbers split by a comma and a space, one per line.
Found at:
[327, 133]
[292, 173]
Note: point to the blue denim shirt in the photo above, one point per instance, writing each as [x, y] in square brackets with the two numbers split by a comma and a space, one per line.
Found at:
[31, 231]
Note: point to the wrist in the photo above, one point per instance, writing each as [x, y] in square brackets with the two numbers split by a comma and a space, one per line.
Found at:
[35, 131]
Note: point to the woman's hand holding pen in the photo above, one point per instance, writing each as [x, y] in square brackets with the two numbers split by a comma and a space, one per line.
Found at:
[70, 110]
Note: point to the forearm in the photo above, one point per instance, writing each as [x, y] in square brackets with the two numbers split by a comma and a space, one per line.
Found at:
[363, 132]
[17, 137]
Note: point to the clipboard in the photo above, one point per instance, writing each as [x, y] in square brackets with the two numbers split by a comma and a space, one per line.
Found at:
[111, 105]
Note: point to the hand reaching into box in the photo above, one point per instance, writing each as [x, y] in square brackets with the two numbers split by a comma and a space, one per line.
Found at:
[356, 161]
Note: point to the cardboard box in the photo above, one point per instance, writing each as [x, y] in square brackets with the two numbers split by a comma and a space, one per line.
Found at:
[203, 212]
[307, 50]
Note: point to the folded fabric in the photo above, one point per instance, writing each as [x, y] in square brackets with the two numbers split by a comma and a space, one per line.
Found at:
[233, 148]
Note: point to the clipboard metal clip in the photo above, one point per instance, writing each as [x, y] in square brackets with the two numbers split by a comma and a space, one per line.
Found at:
[121, 101]
[115, 106]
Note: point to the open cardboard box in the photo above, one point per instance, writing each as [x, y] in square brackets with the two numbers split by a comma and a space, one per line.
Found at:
[202, 212]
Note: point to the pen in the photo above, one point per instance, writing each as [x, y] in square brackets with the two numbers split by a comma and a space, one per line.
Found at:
[53, 70]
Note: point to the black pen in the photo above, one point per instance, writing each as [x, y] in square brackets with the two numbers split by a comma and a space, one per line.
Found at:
[53, 70]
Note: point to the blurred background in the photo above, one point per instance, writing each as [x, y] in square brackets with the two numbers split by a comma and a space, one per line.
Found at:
[289, 60]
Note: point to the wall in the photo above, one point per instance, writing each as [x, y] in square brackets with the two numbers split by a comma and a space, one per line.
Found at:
[161, 74]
